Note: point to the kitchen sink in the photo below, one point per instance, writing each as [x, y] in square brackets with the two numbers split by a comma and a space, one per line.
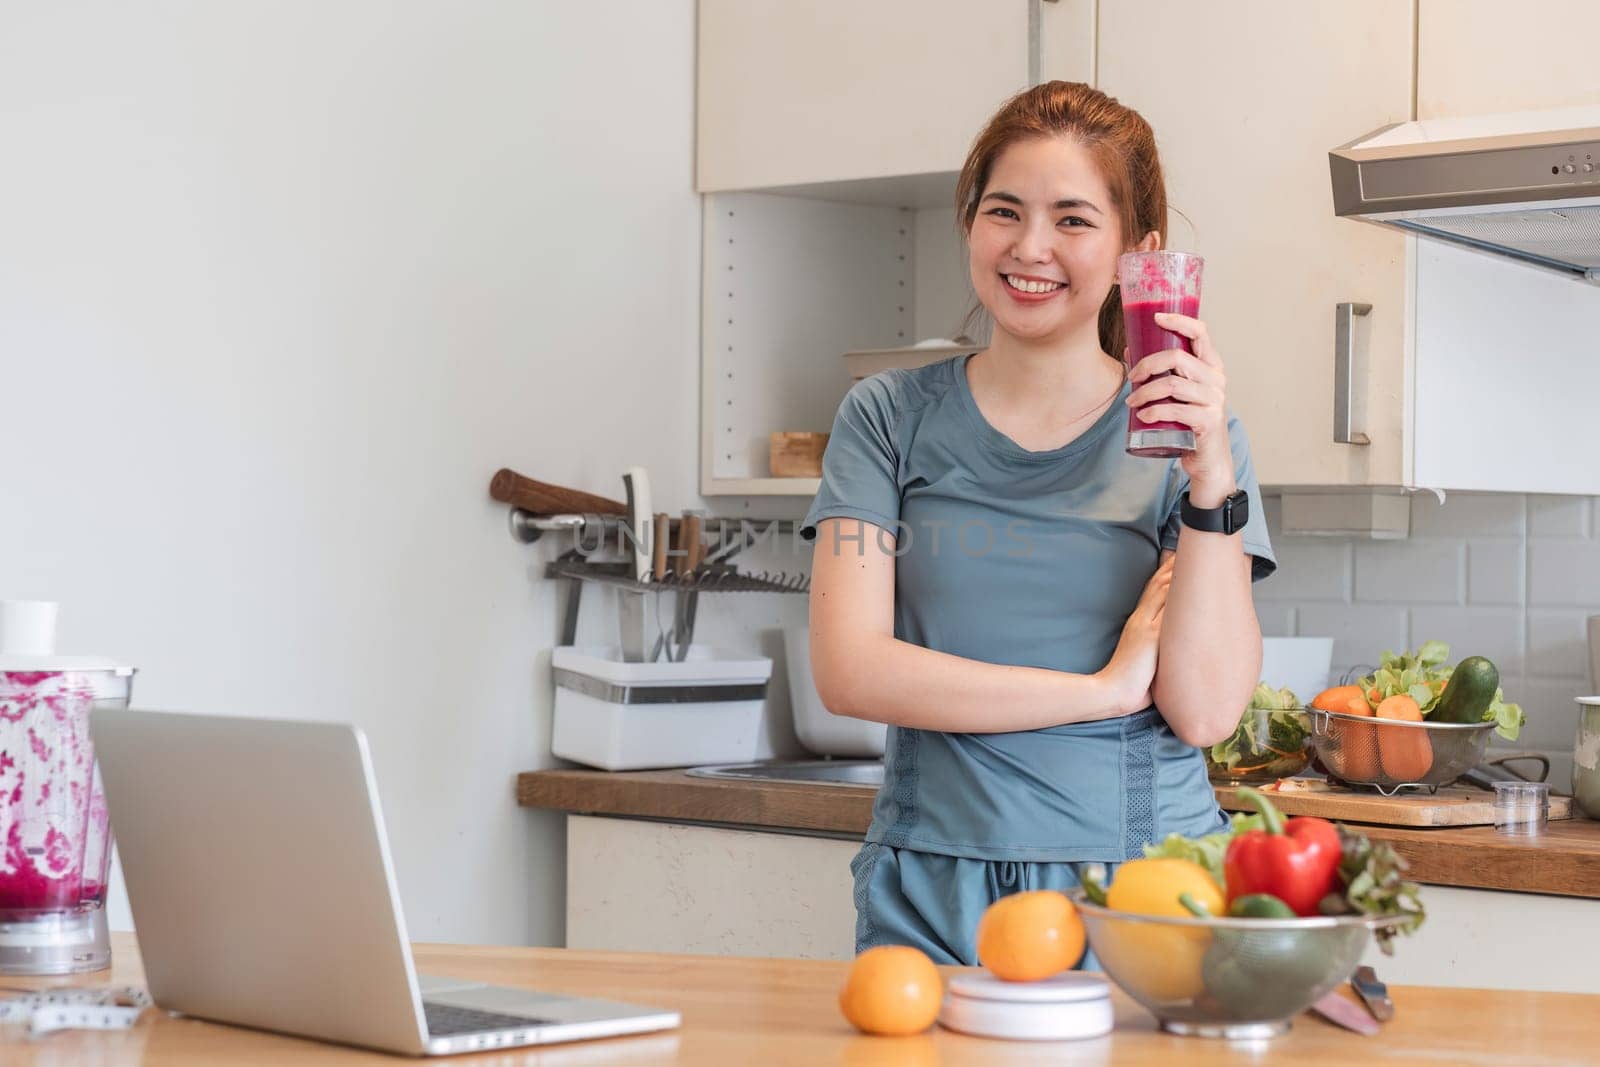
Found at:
[815, 772]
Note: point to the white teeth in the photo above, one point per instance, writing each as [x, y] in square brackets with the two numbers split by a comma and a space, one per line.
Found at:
[1028, 286]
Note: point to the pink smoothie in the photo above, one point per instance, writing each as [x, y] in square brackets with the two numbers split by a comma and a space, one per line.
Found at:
[1145, 338]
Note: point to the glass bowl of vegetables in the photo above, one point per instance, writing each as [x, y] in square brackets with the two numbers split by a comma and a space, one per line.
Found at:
[1237, 978]
[1414, 723]
[1395, 754]
[1273, 741]
[1233, 933]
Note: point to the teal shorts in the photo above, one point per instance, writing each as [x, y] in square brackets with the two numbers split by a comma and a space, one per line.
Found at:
[934, 902]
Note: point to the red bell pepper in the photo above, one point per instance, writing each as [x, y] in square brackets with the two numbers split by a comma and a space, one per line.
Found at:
[1296, 860]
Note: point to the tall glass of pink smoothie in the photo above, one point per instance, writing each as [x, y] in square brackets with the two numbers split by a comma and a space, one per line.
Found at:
[1153, 282]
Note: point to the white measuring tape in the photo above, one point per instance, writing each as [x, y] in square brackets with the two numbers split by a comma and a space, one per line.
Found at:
[102, 1008]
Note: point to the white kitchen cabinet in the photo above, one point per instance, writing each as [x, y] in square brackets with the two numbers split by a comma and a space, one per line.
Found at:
[666, 887]
[1482, 57]
[860, 250]
[1246, 99]
[636, 886]
[837, 90]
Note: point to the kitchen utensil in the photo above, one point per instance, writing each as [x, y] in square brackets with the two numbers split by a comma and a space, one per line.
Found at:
[796, 455]
[821, 731]
[542, 498]
[1373, 993]
[688, 599]
[1069, 1006]
[1521, 809]
[1341, 1011]
[1586, 758]
[1447, 807]
[660, 545]
[1221, 977]
[631, 605]
[1351, 748]
[1267, 745]
[621, 716]
[1301, 664]
[52, 810]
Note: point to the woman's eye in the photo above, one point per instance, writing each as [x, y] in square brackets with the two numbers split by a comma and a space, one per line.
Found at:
[1007, 212]
[1074, 221]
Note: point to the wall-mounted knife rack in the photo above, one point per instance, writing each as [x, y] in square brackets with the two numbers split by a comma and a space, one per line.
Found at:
[714, 574]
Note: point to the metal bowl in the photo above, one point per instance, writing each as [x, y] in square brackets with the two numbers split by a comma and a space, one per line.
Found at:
[1268, 757]
[1392, 754]
[1234, 978]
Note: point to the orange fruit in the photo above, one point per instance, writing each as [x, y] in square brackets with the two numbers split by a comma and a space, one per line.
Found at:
[893, 990]
[1028, 936]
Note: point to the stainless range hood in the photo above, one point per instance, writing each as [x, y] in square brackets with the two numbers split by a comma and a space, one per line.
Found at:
[1524, 186]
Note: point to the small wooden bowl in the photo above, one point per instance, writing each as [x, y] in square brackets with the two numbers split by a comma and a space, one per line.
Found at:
[796, 455]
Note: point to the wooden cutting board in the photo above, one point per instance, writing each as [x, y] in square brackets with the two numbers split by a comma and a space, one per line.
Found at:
[1447, 807]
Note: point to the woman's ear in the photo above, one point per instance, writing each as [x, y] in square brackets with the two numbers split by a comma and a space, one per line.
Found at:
[1151, 242]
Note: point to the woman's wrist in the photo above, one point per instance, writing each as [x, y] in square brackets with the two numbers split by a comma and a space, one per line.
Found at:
[1116, 695]
[1212, 494]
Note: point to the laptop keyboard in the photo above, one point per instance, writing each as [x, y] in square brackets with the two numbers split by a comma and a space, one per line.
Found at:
[446, 1020]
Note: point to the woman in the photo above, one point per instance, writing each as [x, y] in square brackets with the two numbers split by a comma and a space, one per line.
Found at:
[1000, 582]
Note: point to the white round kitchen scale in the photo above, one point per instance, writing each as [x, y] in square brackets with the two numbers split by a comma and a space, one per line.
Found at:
[1067, 1007]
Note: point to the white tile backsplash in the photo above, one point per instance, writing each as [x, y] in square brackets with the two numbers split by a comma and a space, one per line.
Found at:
[1508, 576]
[1493, 632]
[1416, 570]
[1563, 571]
[1496, 572]
[1559, 516]
[1468, 515]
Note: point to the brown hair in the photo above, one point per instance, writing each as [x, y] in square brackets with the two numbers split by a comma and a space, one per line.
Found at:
[1117, 137]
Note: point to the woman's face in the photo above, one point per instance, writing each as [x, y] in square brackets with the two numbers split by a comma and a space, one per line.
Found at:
[1044, 243]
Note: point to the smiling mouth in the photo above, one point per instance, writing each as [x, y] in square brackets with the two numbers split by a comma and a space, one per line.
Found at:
[1029, 285]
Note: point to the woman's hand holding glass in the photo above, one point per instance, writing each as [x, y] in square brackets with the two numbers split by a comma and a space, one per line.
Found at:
[1194, 394]
[1132, 670]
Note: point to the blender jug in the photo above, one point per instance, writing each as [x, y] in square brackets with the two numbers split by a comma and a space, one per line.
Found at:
[53, 823]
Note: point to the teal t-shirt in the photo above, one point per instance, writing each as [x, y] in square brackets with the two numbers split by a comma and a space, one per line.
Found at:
[1030, 559]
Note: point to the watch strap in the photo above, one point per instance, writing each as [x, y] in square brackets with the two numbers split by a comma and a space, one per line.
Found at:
[1227, 518]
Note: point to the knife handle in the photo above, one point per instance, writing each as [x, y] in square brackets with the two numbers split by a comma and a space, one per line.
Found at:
[693, 551]
[543, 498]
[659, 546]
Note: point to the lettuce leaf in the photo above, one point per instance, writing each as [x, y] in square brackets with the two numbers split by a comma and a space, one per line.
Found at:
[1207, 851]
[1508, 718]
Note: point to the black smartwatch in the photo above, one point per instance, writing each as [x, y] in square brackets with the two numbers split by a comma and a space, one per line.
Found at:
[1227, 519]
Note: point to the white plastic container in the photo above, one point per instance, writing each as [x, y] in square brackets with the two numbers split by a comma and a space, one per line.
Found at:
[821, 731]
[1073, 1006]
[622, 716]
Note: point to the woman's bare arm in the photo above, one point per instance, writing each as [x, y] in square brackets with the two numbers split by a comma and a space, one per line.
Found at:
[863, 671]
[1210, 657]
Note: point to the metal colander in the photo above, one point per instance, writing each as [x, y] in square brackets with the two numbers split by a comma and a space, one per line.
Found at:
[1394, 755]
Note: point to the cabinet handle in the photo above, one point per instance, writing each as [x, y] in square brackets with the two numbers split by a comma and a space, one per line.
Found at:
[1344, 344]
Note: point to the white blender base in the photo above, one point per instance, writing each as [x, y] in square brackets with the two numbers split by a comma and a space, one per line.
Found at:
[56, 944]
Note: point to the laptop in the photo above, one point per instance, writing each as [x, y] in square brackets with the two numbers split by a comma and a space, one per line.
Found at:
[260, 881]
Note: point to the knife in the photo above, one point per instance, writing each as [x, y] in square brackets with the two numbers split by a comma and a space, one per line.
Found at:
[1374, 994]
[1342, 1011]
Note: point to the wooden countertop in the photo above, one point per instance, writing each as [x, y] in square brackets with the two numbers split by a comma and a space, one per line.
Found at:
[1565, 861]
[784, 1013]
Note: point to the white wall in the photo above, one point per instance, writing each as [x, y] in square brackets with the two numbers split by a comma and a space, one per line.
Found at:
[281, 285]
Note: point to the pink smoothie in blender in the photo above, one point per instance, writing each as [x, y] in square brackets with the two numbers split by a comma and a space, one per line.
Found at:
[57, 842]
[1154, 282]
